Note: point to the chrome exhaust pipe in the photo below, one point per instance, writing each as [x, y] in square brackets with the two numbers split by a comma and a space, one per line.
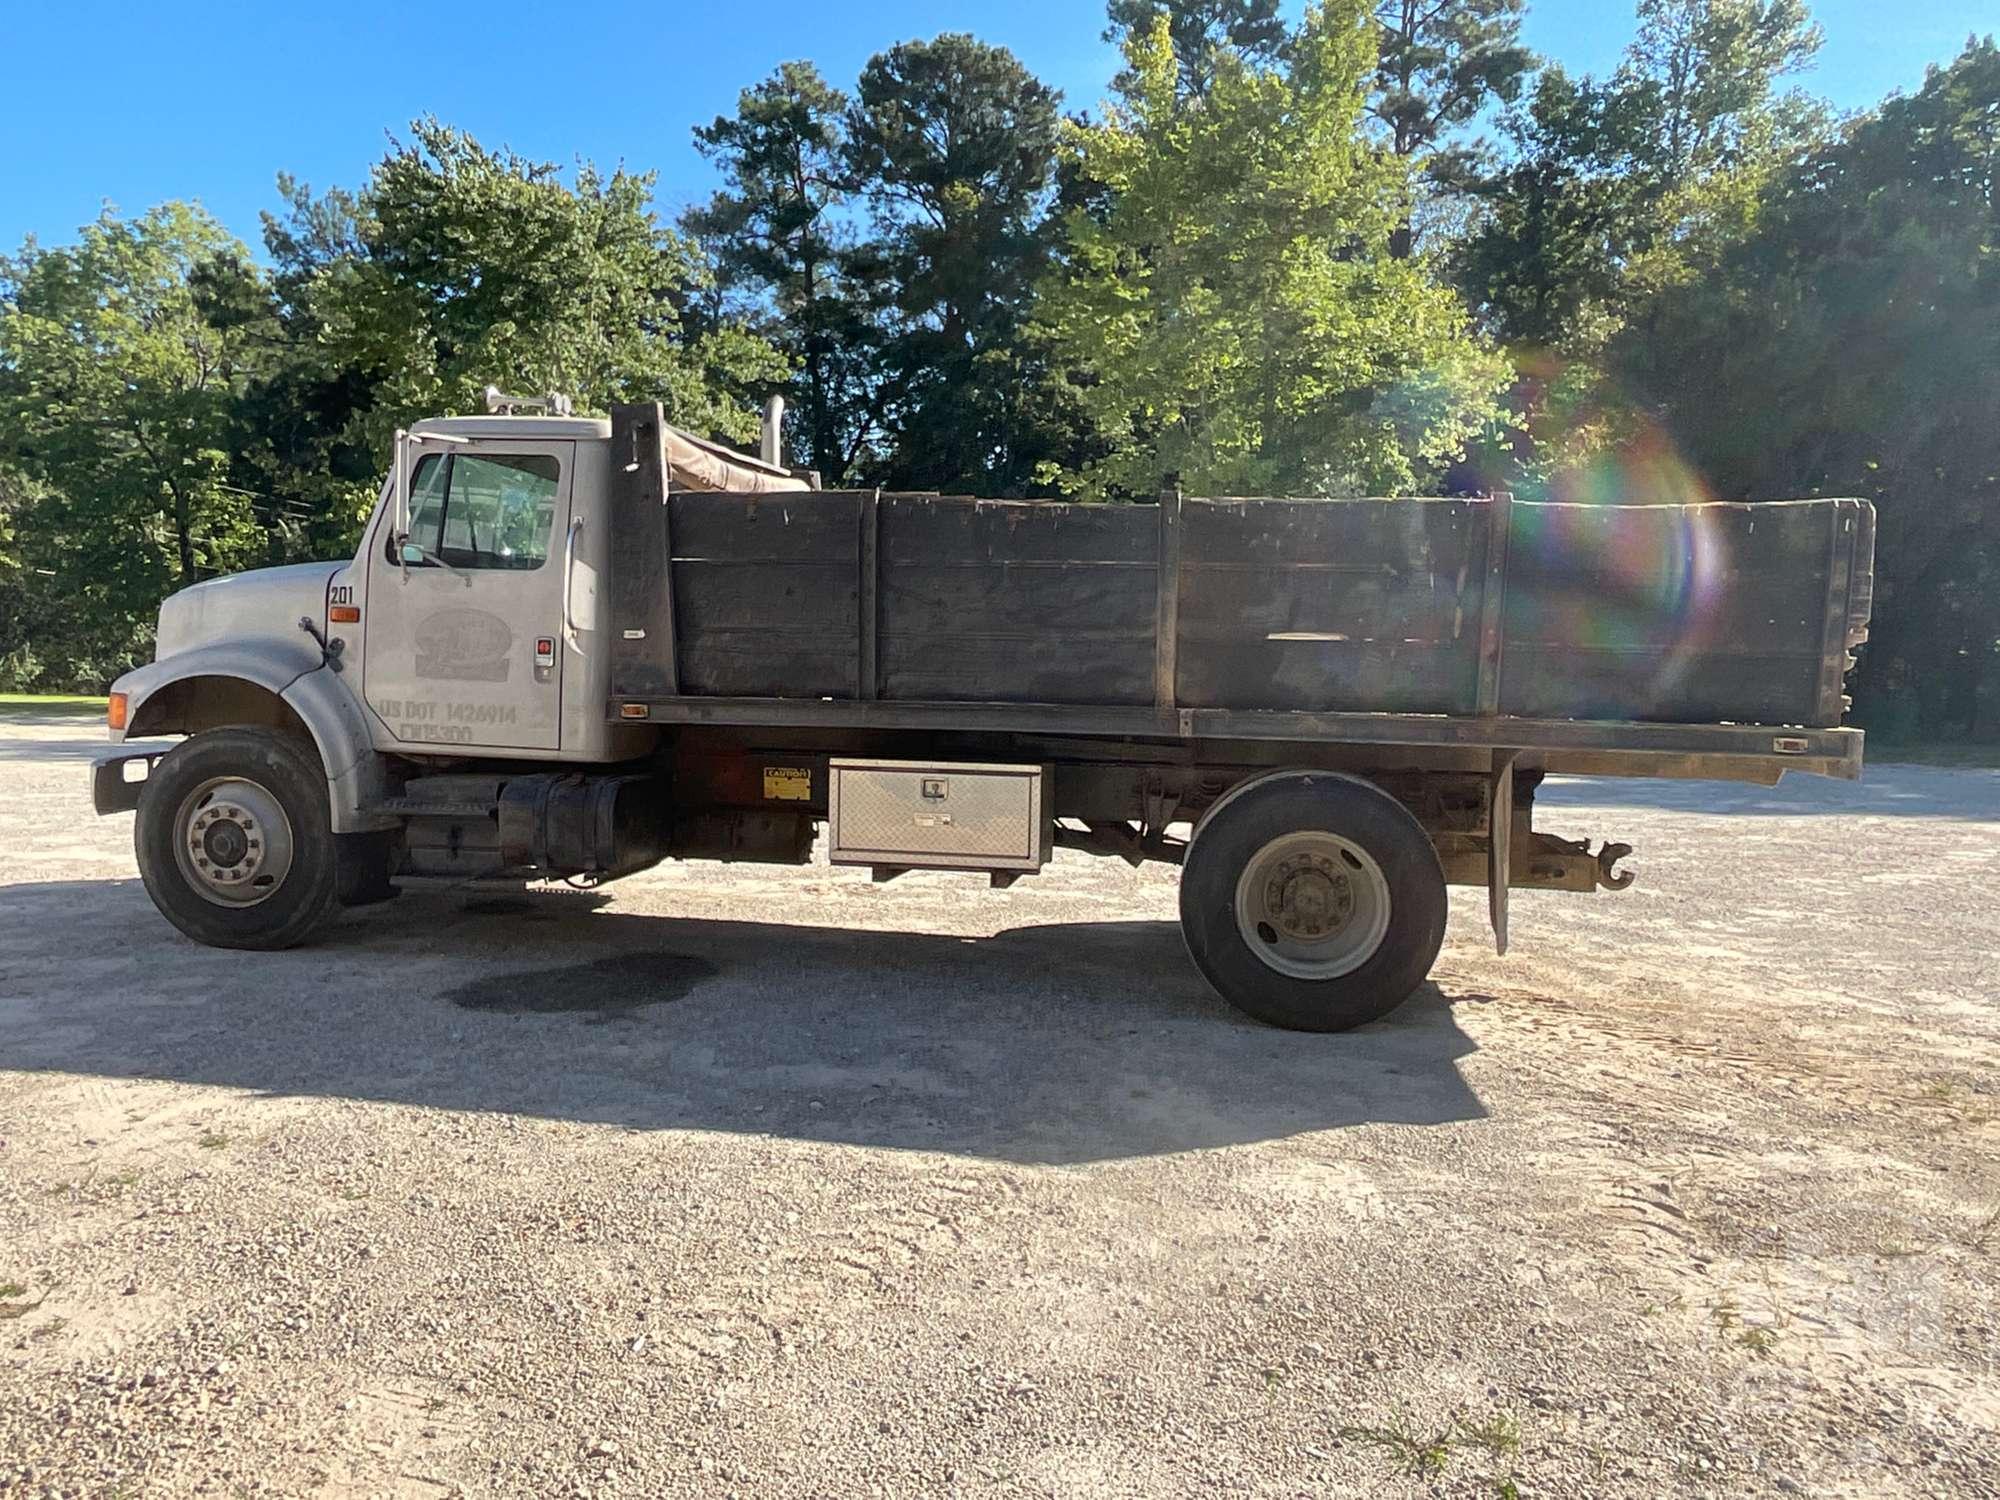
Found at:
[770, 440]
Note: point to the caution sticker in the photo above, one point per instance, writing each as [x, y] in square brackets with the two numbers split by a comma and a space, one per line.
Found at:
[787, 783]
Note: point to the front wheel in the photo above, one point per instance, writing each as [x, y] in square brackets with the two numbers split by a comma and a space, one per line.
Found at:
[1312, 900]
[235, 841]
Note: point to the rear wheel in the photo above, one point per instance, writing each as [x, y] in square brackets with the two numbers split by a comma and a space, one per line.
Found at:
[234, 840]
[1312, 900]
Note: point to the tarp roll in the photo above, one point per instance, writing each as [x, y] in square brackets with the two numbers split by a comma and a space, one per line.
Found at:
[696, 464]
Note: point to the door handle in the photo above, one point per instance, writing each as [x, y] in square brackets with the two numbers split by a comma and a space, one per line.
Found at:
[569, 575]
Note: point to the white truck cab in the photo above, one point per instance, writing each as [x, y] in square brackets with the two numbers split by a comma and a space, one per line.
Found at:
[470, 621]
[467, 628]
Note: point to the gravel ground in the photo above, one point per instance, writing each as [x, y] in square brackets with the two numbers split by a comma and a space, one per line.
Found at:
[740, 1182]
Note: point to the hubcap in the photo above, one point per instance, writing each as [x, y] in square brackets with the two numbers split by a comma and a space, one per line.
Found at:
[233, 842]
[1312, 905]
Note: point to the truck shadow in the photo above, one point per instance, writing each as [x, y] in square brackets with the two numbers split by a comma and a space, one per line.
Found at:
[1058, 1043]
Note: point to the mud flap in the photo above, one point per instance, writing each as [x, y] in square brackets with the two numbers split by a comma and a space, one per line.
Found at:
[1499, 844]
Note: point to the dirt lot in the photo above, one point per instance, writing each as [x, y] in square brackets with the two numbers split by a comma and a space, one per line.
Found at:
[738, 1183]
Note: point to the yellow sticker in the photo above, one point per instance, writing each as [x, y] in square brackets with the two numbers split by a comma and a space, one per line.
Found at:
[788, 783]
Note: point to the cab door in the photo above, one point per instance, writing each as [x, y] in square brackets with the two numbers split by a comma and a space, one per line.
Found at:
[465, 621]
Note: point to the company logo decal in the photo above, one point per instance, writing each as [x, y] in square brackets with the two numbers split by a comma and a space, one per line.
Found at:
[463, 645]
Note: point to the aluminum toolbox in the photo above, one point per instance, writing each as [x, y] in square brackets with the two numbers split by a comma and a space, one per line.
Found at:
[938, 815]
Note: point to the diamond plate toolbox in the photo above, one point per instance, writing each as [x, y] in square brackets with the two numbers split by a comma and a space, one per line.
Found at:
[922, 815]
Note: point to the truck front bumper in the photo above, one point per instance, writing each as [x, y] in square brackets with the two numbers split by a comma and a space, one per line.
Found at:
[113, 788]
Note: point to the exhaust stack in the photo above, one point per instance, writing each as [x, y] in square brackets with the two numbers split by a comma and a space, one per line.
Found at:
[770, 441]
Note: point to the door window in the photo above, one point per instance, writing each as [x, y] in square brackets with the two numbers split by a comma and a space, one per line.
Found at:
[484, 510]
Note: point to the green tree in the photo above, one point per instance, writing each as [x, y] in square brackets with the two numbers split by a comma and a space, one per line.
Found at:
[954, 144]
[459, 266]
[1709, 69]
[1439, 64]
[1850, 345]
[300, 440]
[1613, 192]
[1615, 188]
[1714, 128]
[779, 235]
[1235, 314]
[1560, 216]
[1202, 32]
[22, 668]
[116, 390]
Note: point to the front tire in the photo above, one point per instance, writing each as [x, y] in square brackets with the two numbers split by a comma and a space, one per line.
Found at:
[1312, 900]
[235, 840]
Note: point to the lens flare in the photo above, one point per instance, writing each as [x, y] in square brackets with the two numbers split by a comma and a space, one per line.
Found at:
[1633, 558]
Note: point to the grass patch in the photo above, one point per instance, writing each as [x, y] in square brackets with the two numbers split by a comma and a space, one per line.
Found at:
[1733, 1327]
[1415, 1453]
[10, 1289]
[1406, 1449]
[213, 1141]
[1984, 1237]
[95, 1188]
[10, 1311]
[1975, 757]
[1757, 1339]
[49, 703]
[1964, 1106]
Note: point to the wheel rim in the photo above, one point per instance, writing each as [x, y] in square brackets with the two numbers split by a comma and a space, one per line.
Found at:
[233, 842]
[1312, 905]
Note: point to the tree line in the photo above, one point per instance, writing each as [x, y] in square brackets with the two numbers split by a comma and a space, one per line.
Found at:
[1381, 250]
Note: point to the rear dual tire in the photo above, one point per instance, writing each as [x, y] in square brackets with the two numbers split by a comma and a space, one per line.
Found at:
[1312, 900]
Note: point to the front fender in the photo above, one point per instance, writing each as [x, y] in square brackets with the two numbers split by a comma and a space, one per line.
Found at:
[354, 770]
[265, 664]
[298, 677]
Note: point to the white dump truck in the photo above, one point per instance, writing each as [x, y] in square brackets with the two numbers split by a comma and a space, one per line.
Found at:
[572, 647]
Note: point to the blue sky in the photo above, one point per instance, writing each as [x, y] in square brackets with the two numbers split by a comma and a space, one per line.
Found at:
[211, 101]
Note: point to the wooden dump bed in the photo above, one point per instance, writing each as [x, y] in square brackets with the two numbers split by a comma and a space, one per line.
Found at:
[1467, 609]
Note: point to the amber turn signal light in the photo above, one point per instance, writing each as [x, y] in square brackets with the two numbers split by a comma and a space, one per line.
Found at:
[344, 614]
[114, 711]
[633, 711]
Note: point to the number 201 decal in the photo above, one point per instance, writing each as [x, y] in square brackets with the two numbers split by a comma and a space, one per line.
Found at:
[340, 593]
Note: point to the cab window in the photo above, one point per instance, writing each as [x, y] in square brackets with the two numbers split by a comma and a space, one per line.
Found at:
[484, 510]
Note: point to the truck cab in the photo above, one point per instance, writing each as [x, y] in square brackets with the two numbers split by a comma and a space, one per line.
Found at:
[471, 623]
[366, 717]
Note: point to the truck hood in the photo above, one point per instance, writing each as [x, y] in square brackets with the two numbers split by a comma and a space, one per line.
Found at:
[265, 603]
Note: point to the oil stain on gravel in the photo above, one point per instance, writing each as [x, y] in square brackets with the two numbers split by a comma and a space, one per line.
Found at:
[605, 987]
[505, 906]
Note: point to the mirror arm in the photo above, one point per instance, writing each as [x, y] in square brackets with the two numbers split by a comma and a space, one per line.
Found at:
[399, 515]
